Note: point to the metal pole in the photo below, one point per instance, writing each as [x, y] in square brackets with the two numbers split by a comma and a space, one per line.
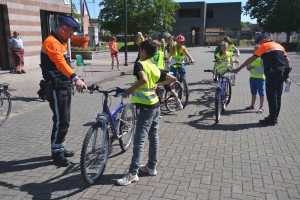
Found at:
[81, 13]
[125, 10]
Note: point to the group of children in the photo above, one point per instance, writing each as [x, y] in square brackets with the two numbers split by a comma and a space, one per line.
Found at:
[224, 55]
[172, 52]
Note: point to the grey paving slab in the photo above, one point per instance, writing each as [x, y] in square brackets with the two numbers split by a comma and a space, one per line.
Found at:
[198, 159]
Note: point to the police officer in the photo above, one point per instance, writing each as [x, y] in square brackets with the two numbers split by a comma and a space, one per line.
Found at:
[276, 69]
[56, 70]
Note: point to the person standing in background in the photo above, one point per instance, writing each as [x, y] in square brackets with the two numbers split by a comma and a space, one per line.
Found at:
[16, 45]
[113, 48]
[140, 39]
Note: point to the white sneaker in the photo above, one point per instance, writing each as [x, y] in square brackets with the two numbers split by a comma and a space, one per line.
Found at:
[160, 117]
[179, 104]
[146, 169]
[128, 179]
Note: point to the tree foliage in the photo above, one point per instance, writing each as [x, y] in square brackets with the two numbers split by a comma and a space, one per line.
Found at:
[146, 16]
[245, 25]
[75, 12]
[275, 15]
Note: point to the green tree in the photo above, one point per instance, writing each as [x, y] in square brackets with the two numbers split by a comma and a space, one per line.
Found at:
[275, 15]
[145, 16]
[245, 25]
[75, 12]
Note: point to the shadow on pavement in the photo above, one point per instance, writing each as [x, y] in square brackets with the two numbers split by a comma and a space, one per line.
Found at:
[27, 164]
[25, 99]
[44, 190]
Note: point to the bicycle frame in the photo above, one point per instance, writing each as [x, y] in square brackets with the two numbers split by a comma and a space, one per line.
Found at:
[110, 116]
[221, 86]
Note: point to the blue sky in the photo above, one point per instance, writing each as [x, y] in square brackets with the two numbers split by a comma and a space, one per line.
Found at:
[94, 9]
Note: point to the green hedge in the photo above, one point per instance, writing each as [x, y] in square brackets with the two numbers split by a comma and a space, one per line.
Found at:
[82, 49]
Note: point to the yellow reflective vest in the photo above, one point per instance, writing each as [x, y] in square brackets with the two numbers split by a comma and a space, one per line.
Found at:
[224, 62]
[146, 94]
[160, 62]
[178, 54]
[258, 70]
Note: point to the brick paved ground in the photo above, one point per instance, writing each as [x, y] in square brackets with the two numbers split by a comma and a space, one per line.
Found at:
[235, 159]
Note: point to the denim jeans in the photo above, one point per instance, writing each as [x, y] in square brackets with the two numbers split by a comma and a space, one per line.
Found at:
[147, 123]
[182, 70]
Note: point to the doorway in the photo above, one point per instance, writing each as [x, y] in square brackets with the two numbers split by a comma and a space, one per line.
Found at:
[3, 41]
[195, 36]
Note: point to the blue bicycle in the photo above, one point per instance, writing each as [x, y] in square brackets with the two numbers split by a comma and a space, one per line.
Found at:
[222, 92]
[118, 124]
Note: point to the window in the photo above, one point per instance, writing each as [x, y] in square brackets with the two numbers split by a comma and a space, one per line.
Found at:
[209, 13]
[189, 13]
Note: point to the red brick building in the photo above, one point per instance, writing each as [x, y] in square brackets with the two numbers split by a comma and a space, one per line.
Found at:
[34, 19]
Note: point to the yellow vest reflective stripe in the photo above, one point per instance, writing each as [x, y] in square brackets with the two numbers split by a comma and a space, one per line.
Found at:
[160, 62]
[258, 70]
[145, 94]
[224, 63]
[178, 55]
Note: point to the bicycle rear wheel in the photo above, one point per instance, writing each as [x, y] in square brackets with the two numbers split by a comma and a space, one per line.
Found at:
[228, 90]
[218, 105]
[94, 153]
[170, 102]
[127, 127]
[185, 93]
[5, 106]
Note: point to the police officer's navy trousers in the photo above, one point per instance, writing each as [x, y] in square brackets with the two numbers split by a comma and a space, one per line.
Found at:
[274, 86]
[60, 104]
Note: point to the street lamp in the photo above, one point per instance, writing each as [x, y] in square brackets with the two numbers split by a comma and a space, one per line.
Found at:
[125, 13]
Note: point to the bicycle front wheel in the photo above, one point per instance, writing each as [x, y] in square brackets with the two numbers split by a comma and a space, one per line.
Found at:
[127, 127]
[170, 102]
[228, 90]
[5, 106]
[218, 105]
[185, 93]
[94, 153]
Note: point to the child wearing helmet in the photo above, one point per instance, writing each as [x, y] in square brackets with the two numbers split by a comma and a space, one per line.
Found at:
[177, 54]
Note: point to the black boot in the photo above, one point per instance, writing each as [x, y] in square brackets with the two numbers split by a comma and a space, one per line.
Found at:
[68, 153]
[60, 160]
[268, 122]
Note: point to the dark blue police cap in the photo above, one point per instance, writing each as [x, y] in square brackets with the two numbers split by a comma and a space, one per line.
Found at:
[262, 35]
[69, 21]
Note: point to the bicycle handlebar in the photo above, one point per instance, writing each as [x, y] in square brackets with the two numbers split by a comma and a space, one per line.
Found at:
[212, 71]
[220, 61]
[181, 64]
[119, 91]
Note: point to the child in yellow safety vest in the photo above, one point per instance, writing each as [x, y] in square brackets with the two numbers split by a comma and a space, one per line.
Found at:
[257, 82]
[147, 76]
[223, 58]
[158, 60]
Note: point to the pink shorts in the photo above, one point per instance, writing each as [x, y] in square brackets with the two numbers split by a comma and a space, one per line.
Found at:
[114, 54]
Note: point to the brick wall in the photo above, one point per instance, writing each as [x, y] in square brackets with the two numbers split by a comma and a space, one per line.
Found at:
[24, 16]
